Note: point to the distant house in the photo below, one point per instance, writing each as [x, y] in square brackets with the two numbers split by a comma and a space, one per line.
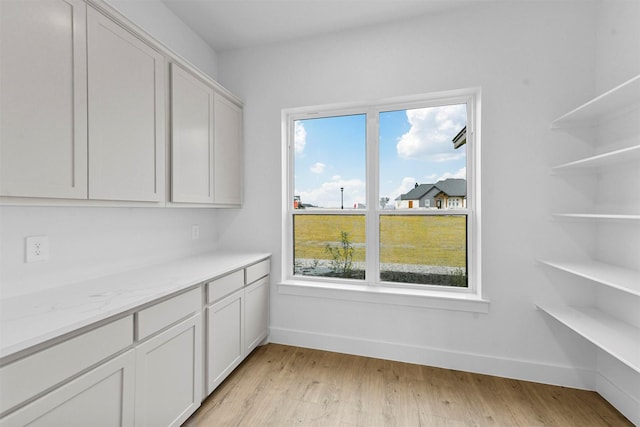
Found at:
[450, 193]
[415, 198]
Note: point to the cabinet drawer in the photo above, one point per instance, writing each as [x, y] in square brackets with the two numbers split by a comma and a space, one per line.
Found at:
[224, 286]
[102, 396]
[256, 271]
[159, 316]
[34, 374]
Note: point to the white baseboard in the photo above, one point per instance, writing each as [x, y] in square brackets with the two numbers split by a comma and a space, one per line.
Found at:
[469, 362]
[627, 404]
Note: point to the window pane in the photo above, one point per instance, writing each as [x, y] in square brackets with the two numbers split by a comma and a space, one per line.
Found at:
[423, 158]
[330, 162]
[329, 245]
[424, 249]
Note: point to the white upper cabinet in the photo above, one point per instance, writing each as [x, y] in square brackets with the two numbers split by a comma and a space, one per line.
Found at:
[43, 99]
[126, 114]
[206, 143]
[228, 151]
[84, 113]
[191, 138]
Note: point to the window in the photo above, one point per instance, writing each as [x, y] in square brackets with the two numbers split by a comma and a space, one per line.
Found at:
[384, 195]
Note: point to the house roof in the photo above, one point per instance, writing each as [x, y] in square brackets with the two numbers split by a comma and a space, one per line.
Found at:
[452, 186]
[416, 193]
[449, 186]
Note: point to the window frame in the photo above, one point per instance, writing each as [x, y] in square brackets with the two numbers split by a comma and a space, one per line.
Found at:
[295, 284]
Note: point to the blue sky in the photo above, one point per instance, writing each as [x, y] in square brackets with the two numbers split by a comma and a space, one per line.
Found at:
[415, 146]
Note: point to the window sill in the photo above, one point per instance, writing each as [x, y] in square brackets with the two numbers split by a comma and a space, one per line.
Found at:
[443, 300]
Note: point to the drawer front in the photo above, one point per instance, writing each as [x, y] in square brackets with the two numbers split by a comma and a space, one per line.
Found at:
[225, 285]
[34, 374]
[257, 271]
[103, 396]
[164, 314]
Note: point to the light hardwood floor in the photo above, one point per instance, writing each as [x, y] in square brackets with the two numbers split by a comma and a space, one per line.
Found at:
[280, 385]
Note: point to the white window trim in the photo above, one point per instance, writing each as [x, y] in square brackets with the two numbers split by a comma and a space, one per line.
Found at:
[461, 299]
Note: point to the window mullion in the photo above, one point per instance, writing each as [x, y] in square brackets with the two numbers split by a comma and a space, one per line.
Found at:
[288, 194]
[373, 186]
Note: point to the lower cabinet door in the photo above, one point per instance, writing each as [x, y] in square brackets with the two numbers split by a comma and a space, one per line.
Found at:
[256, 309]
[224, 338]
[169, 375]
[103, 396]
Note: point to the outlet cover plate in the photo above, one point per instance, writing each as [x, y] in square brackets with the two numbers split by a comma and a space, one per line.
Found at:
[37, 248]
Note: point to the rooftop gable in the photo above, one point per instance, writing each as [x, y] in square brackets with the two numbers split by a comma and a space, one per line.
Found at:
[452, 186]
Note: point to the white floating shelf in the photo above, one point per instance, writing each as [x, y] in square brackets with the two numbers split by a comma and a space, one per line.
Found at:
[619, 99]
[597, 217]
[611, 158]
[623, 279]
[621, 340]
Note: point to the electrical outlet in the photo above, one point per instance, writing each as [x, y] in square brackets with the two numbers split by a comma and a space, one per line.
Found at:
[37, 248]
[195, 232]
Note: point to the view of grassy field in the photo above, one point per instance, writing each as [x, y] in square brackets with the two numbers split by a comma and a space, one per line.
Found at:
[438, 240]
[430, 240]
[313, 232]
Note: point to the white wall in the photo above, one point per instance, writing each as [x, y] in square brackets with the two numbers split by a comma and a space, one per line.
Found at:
[534, 61]
[159, 21]
[90, 241]
[618, 53]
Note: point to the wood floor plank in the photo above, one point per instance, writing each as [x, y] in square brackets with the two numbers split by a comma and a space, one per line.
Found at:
[280, 385]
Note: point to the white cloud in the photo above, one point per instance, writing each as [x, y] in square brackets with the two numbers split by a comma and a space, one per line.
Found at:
[431, 132]
[408, 182]
[318, 167]
[300, 137]
[460, 173]
[328, 194]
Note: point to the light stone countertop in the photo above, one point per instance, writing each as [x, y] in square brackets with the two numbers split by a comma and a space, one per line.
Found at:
[29, 320]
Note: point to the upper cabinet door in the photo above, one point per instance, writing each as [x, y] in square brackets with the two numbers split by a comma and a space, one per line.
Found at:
[43, 98]
[191, 138]
[126, 114]
[227, 125]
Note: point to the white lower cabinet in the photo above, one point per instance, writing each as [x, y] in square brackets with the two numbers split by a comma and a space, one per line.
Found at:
[34, 375]
[169, 375]
[224, 338]
[256, 303]
[103, 396]
[237, 319]
[146, 369]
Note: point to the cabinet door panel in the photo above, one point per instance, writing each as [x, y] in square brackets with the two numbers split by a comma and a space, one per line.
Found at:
[101, 397]
[43, 114]
[126, 114]
[224, 338]
[191, 138]
[169, 375]
[228, 170]
[256, 308]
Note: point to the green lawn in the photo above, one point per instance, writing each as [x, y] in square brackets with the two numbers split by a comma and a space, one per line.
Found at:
[408, 239]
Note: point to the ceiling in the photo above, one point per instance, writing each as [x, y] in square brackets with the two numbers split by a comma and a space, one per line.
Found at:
[236, 24]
